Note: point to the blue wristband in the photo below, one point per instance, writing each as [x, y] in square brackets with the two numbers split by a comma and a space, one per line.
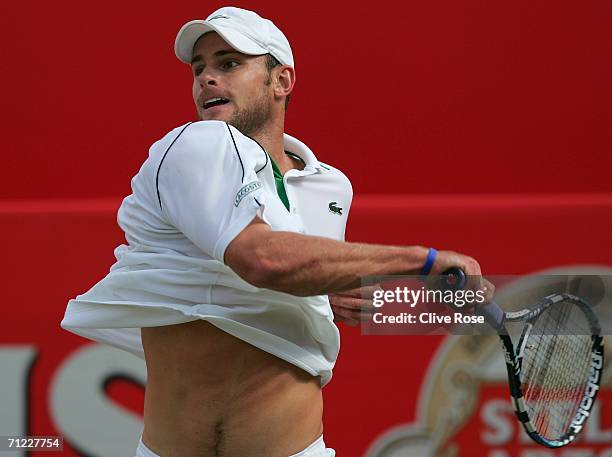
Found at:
[431, 258]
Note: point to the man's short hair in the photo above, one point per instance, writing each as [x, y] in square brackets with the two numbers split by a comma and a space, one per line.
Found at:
[272, 62]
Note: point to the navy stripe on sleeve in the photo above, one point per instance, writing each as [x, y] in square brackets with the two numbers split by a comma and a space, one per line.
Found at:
[162, 161]
[237, 152]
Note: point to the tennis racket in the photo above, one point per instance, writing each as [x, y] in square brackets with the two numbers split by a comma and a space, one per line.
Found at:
[554, 372]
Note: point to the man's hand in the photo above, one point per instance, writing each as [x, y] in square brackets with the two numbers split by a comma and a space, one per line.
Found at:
[449, 259]
[353, 306]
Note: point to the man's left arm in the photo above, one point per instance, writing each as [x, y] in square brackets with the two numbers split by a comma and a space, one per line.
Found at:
[353, 306]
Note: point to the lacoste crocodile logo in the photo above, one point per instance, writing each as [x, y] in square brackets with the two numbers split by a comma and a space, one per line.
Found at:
[335, 209]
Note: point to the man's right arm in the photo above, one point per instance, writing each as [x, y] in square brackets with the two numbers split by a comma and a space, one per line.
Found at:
[308, 265]
[202, 187]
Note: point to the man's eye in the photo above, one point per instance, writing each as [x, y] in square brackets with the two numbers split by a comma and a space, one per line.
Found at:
[198, 70]
[229, 64]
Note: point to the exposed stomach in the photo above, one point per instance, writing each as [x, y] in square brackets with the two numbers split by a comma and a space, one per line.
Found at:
[210, 394]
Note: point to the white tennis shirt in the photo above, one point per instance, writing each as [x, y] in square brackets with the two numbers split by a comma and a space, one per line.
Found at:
[201, 185]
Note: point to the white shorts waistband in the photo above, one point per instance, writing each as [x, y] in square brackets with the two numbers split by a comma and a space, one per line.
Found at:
[316, 449]
[144, 451]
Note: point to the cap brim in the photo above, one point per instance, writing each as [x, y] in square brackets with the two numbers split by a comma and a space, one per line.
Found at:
[192, 31]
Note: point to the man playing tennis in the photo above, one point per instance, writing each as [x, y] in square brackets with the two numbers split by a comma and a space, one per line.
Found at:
[234, 256]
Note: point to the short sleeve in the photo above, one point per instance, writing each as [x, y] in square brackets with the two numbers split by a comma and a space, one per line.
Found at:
[207, 184]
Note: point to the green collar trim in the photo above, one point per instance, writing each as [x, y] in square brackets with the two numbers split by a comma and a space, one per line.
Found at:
[280, 184]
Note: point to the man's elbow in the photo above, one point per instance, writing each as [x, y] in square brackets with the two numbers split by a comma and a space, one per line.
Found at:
[255, 268]
[263, 260]
[252, 255]
[270, 273]
[256, 271]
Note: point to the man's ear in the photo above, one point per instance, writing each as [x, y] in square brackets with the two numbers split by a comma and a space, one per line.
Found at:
[284, 80]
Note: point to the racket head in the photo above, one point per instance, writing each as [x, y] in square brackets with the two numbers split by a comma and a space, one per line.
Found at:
[555, 372]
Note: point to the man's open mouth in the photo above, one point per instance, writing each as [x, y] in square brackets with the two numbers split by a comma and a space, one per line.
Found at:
[215, 102]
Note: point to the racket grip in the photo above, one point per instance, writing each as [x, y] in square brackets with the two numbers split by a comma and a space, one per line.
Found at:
[493, 314]
[454, 279]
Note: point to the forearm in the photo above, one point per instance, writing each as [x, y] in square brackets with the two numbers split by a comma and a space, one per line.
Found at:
[322, 266]
[307, 265]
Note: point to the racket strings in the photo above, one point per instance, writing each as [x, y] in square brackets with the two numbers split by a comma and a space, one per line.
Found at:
[555, 368]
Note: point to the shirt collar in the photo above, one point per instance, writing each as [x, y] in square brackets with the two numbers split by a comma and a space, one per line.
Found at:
[298, 148]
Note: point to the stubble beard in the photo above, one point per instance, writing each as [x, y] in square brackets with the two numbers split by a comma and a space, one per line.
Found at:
[251, 119]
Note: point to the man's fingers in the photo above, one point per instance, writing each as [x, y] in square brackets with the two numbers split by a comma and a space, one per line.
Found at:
[352, 314]
[352, 309]
[352, 303]
[488, 289]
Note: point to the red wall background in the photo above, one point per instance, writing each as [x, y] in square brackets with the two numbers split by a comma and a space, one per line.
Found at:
[59, 248]
[408, 97]
[484, 127]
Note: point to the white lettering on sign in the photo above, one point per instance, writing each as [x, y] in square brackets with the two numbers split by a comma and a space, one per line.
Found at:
[80, 408]
[495, 415]
[15, 364]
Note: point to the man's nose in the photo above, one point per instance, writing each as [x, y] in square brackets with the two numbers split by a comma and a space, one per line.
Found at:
[207, 78]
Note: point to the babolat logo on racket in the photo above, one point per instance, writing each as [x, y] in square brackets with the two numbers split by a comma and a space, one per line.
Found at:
[591, 391]
[246, 190]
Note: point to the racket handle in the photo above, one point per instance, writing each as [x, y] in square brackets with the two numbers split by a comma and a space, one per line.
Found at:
[455, 279]
[493, 314]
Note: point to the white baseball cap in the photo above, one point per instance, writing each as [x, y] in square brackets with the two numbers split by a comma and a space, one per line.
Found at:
[243, 30]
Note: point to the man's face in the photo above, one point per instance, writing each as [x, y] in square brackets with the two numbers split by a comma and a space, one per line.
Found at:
[230, 86]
